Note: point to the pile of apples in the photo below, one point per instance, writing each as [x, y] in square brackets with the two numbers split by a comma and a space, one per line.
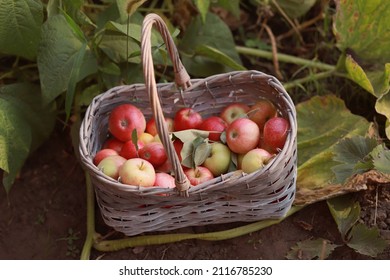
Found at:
[240, 137]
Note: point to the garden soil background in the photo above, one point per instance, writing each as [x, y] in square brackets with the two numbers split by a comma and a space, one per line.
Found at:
[44, 217]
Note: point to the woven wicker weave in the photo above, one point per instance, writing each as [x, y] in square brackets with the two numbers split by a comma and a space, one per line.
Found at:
[235, 196]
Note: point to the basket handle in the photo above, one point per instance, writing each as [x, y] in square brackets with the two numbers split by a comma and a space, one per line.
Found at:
[182, 79]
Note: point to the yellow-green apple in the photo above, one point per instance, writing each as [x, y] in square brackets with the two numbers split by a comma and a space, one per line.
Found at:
[234, 111]
[242, 135]
[215, 125]
[198, 175]
[275, 134]
[153, 152]
[219, 159]
[152, 129]
[111, 165]
[186, 118]
[146, 138]
[137, 172]
[129, 150]
[262, 111]
[164, 180]
[113, 143]
[103, 153]
[255, 159]
[124, 119]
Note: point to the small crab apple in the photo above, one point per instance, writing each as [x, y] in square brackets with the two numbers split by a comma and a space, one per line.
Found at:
[242, 135]
[152, 129]
[154, 153]
[110, 165]
[215, 125]
[198, 175]
[137, 172]
[234, 111]
[124, 119]
[262, 111]
[255, 160]
[275, 134]
[103, 153]
[186, 118]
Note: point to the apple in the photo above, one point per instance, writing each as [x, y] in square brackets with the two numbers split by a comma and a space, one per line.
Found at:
[137, 172]
[111, 165]
[255, 159]
[234, 111]
[146, 138]
[178, 145]
[124, 119]
[154, 153]
[242, 135]
[198, 175]
[219, 159]
[164, 180]
[129, 150]
[186, 118]
[239, 160]
[262, 111]
[275, 134]
[103, 153]
[215, 125]
[166, 167]
[113, 143]
[152, 129]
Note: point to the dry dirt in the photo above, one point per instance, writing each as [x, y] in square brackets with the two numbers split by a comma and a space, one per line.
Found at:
[44, 217]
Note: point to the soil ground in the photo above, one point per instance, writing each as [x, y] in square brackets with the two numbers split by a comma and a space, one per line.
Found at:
[44, 217]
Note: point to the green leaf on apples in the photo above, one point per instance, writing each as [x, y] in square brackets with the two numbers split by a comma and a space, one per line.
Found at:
[190, 135]
[134, 138]
[201, 152]
[25, 123]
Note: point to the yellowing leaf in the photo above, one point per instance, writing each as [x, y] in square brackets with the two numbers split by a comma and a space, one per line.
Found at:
[358, 75]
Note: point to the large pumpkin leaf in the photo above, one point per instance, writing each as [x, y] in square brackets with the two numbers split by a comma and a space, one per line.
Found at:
[25, 122]
[59, 48]
[322, 122]
[214, 34]
[362, 26]
[20, 27]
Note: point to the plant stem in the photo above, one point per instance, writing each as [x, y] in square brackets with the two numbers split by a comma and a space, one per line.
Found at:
[89, 240]
[285, 58]
[317, 76]
[114, 245]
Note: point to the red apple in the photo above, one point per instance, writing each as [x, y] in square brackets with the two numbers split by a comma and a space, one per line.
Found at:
[154, 153]
[186, 118]
[137, 172]
[129, 150]
[164, 180]
[124, 119]
[103, 153]
[275, 134]
[166, 167]
[215, 125]
[219, 159]
[254, 160]
[198, 175]
[242, 135]
[262, 111]
[178, 145]
[111, 165]
[113, 143]
[234, 111]
[152, 129]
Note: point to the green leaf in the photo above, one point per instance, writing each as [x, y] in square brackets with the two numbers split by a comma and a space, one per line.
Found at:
[213, 33]
[57, 52]
[203, 8]
[128, 7]
[366, 241]
[294, 8]
[346, 213]
[357, 74]
[232, 6]
[323, 121]
[311, 249]
[218, 56]
[353, 153]
[382, 106]
[202, 152]
[25, 122]
[189, 135]
[381, 158]
[20, 27]
[362, 26]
